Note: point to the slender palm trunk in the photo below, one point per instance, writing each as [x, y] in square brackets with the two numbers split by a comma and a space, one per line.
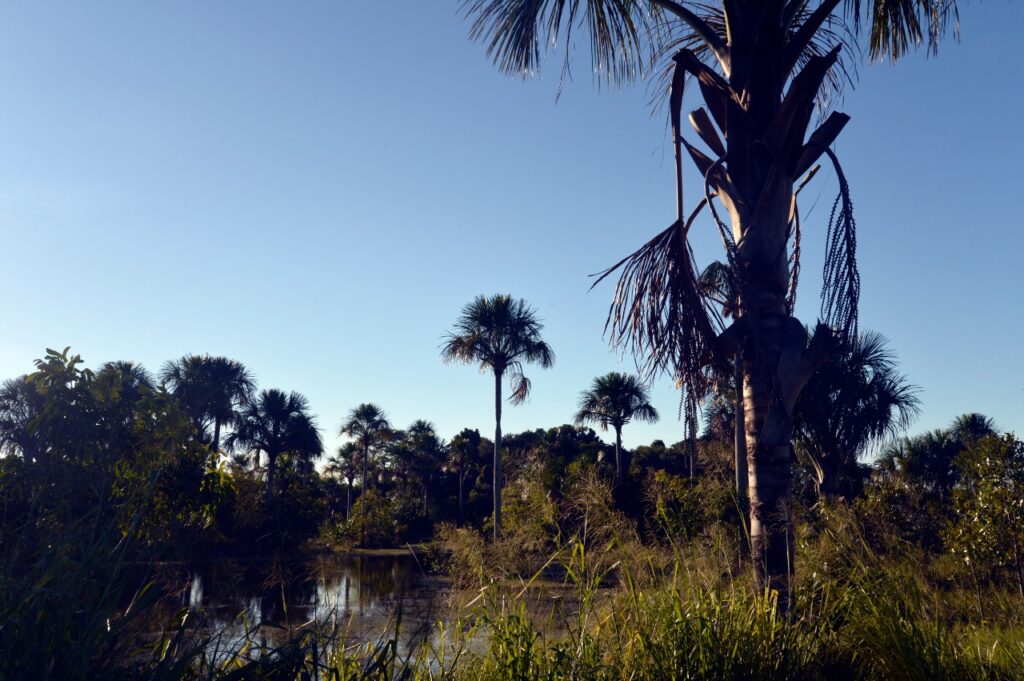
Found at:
[362, 495]
[271, 470]
[216, 435]
[739, 436]
[497, 456]
[348, 499]
[620, 469]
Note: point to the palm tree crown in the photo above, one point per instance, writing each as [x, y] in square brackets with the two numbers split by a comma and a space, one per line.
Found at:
[274, 423]
[614, 400]
[501, 333]
[210, 389]
[857, 400]
[368, 426]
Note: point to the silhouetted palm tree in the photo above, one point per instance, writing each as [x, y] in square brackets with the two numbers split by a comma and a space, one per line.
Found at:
[345, 463]
[500, 333]
[967, 429]
[426, 454]
[368, 426]
[463, 454]
[929, 459]
[761, 69]
[20, 403]
[615, 400]
[211, 389]
[273, 423]
[858, 399]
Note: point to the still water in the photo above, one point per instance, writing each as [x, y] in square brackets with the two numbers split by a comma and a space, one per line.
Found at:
[358, 596]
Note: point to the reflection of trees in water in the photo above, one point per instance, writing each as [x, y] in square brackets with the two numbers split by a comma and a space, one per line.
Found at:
[359, 595]
[295, 593]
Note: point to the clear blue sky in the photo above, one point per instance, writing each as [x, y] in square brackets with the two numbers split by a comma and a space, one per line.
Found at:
[316, 189]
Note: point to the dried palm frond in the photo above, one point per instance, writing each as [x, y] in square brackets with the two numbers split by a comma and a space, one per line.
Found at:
[840, 293]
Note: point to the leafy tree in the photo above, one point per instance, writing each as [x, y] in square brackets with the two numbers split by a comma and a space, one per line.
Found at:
[989, 505]
[761, 69]
[211, 389]
[856, 400]
[616, 400]
[274, 423]
[501, 334]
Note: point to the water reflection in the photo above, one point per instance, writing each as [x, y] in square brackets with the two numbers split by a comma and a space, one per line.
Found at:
[358, 595]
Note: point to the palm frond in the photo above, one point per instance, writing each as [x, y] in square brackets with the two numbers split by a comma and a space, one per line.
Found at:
[897, 26]
[518, 33]
[840, 293]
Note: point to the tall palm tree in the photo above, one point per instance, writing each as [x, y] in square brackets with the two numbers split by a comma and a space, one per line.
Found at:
[368, 426]
[761, 69]
[615, 400]
[856, 400]
[211, 389]
[345, 463]
[501, 334]
[273, 423]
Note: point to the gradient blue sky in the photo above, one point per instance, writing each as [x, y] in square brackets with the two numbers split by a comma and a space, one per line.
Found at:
[316, 188]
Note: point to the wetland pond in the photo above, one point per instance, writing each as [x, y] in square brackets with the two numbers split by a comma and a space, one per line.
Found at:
[359, 596]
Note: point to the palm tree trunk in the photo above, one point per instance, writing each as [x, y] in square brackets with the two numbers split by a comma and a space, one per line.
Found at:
[271, 469]
[776, 365]
[620, 473]
[348, 499]
[497, 456]
[739, 434]
[362, 495]
[216, 435]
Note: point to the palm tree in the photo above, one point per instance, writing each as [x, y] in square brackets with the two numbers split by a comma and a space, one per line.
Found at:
[345, 464]
[615, 400]
[368, 425]
[762, 69]
[211, 389]
[929, 459]
[463, 453]
[500, 333]
[858, 399]
[427, 455]
[274, 423]
[20, 406]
